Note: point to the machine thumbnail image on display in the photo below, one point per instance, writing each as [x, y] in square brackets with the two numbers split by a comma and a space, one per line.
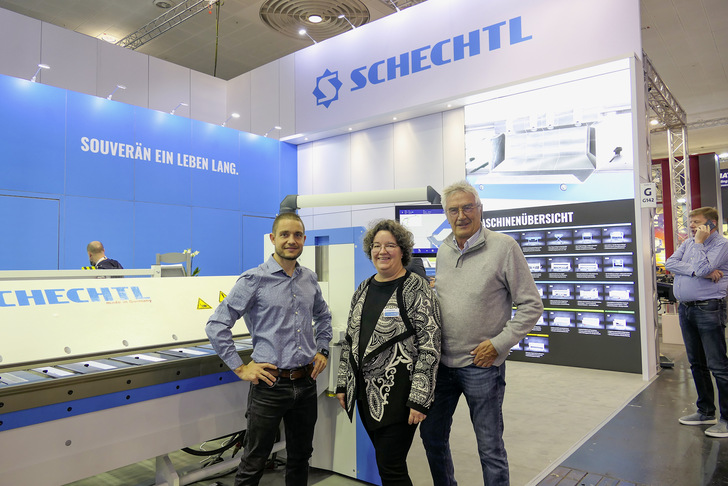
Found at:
[620, 322]
[589, 320]
[570, 139]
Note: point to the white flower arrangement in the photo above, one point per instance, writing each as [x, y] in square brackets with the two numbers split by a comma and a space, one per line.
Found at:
[192, 254]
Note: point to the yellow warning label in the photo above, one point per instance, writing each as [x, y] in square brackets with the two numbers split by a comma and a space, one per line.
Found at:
[222, 296]
[201, 304]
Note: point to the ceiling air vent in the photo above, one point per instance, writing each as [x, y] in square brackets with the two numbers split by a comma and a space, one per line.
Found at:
[290, 16]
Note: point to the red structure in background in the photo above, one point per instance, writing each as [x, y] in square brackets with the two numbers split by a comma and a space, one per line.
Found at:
[667, 204]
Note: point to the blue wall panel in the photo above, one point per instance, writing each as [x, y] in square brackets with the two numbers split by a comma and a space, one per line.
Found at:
[160, 228]
[29, 239]
[254, 229]
[32, 136]
[97, 160]
[161, 179]
[217, 185]
[288, 177]
[107, 220]
[219, 231]
[121, 175]
[260, 181]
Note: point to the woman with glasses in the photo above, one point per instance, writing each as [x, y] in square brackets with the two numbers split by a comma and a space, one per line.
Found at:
[391, 350]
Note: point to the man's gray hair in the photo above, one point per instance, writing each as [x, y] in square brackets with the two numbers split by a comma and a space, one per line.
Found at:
[460, 186]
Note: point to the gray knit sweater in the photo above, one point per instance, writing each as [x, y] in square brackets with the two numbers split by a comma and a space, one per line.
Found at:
[477, 291]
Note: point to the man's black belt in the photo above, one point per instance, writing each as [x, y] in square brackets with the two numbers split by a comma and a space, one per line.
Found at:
[294, 373]
[699, 302]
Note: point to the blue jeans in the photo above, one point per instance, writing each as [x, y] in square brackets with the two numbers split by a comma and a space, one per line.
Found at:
[484, 389]
[703, 331]
[294, 402]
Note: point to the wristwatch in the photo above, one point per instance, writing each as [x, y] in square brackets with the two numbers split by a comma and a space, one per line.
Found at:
[325, 352]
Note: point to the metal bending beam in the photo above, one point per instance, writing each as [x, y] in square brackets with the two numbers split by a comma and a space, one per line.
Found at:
[168, 20]
[293, 202]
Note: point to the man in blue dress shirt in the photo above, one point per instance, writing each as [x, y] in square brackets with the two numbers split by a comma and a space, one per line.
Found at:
[700, 266]
[279, 300]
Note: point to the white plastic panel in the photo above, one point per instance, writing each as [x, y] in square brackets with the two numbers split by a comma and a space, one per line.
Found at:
[169, 85]
[125, 67]
[238, 101]
[72, 58]
[208, 97]
[372, 159]
[264, 106]
[453, 139]
[331, 164]
[287, 97]
[20, 47]
[418, 152]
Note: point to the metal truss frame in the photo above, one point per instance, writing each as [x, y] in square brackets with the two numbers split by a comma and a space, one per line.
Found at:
[171, 18]
[673, 117]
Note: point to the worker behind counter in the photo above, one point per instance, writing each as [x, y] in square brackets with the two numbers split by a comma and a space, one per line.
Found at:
[97, 257]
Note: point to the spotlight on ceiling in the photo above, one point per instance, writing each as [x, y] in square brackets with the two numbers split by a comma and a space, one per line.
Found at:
[40, 66]
[342, 16]
[163, 3]
[274, 128]
[232, 115]
[118, 86]
[315, 19]
[303, 32]
[181, 103]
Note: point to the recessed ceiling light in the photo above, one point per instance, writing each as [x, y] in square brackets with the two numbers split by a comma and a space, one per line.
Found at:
[654, 122]
[163, 3]
[108, 38]
[394, 118]
[314, 19]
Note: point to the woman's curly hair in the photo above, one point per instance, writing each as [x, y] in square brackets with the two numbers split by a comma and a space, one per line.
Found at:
[402, 235]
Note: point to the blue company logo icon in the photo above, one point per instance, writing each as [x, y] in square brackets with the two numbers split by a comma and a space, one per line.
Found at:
[327, 88]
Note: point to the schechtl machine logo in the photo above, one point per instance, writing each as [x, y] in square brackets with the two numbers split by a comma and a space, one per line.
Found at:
[434, 55]
[327, 88]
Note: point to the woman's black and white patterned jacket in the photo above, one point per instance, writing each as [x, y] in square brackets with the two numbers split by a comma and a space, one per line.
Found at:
[401, 359]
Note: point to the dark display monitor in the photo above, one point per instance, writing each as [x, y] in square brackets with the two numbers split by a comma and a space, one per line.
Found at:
[428, 224]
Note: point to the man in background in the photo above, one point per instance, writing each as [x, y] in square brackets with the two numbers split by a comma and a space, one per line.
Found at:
[97, 257]
[700, 283]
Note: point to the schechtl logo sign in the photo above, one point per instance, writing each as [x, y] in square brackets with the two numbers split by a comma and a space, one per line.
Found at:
[80, 295]
[442, 53]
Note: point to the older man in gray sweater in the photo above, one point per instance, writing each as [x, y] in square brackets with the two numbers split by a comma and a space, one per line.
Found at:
[481, 276]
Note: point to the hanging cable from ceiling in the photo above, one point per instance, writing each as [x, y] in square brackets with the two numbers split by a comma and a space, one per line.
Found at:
[218, 4]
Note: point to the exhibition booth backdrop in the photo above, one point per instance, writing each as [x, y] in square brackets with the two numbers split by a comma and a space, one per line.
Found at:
[78, 168]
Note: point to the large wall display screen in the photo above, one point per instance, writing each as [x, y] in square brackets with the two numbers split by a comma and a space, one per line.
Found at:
[553, 164]
[567, 138]
[582, 258]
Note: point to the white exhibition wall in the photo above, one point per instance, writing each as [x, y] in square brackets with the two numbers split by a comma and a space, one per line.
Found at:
[91, 66]
[429, 150]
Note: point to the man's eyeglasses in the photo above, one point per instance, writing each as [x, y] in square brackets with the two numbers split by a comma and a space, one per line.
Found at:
[387, 246]
[467, 209]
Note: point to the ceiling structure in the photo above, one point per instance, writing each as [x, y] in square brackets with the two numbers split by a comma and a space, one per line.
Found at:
[686, 41]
